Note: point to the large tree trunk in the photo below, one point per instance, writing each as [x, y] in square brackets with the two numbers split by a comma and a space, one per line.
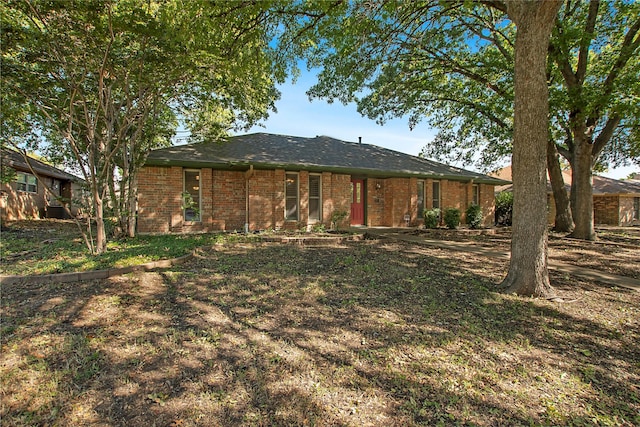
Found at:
[582, 190]
[563, 219]
[528, 270]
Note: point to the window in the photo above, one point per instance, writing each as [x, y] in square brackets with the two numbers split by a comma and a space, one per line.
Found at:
[191, 195]
[435, 202]
[291, 196]
[27, 182]
[315, 201]
[475, 198]
[420, 199]
[636, 208]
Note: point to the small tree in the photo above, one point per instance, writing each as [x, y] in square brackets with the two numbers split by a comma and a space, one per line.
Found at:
[336, 218]
[474, 216]
[431, 218]
[452, 218]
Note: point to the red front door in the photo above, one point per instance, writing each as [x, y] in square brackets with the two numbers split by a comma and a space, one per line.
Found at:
[357, 202]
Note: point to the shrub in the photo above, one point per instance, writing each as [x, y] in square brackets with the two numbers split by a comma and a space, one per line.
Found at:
[318, 227]
[431, 218]
[337, 217]
[474, 216]
[452, 218]
[504, 207]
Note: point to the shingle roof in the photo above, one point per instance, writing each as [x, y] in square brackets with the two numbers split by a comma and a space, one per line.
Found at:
[601, 185]
[604, 185]
[322, 153]
[15, 160]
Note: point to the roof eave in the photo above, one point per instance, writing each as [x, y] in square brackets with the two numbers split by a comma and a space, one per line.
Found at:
[373, 173]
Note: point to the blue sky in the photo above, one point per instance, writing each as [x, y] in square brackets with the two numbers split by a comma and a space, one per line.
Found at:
[298, 116]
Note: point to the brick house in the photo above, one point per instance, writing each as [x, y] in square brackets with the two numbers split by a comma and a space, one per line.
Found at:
[27, 197]
[265, 181]
[615, 202]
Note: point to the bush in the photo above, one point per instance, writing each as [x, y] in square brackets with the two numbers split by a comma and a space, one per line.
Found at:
[504, 208]
[337, 217]
[431, 218]
[452, 218]
[474, 216]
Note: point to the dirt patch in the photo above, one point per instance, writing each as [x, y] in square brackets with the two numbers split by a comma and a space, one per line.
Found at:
[363, 333]
[617, 250]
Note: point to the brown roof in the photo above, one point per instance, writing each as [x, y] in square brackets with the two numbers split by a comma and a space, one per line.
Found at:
[601, 185]
[14, 160]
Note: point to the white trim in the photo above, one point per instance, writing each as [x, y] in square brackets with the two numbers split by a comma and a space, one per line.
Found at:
[297, 174]
[25, 183]
[319, 219]
[184, 190]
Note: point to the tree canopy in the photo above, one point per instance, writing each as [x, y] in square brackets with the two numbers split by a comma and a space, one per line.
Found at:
[102, 82]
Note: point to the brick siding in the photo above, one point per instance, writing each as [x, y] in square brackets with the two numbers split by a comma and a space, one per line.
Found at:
[224, 200]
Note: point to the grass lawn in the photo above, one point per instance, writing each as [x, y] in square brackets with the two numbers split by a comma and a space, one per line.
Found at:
[364, 333]
[56, 246]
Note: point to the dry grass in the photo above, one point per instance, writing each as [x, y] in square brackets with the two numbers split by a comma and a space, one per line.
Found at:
[369, 333]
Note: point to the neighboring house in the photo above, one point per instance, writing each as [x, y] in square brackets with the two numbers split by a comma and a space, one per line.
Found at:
[265, 181]
[27, 197]
[615, 202]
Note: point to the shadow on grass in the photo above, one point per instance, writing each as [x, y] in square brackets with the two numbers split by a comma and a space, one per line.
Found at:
[364, 334]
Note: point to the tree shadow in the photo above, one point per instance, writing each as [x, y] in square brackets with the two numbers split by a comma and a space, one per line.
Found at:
[364, 333]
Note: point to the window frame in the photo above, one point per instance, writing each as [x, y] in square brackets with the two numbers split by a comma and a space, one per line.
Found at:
[198, 212]
[438, 200]
[420, 188]
[475, 194]
[318, 198]
[23, 184]
[296, 175]
[636, 208]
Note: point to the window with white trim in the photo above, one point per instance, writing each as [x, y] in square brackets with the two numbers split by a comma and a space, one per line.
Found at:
[315, 198]
[191, 195]
[420, 203]
[475, 190]
[27, 182]
[291, 197]
[636, 208]
[435, 195]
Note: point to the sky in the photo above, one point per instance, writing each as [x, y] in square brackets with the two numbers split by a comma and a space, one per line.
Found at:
[297, 116]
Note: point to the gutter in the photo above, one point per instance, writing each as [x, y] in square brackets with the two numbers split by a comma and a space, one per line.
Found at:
[371, 173]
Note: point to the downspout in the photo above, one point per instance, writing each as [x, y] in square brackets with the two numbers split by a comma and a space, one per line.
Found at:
[248, 174]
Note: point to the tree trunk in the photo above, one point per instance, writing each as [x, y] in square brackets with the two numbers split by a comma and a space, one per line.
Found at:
[528, 270]
[101, 235]
[582, 190]
[563, 219]
[132, 206]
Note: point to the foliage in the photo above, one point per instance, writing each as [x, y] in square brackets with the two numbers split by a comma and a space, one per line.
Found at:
[7, 174]
[337, 217]
[188, 204]
[104, 82]
[431, 218]
[504, 207]
[474, 216]
[318, 227]
[452, 218]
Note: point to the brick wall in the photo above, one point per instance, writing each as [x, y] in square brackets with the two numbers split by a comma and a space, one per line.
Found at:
[375, 201]
[159, 199]
[627, 211]
[488, 204]
[224, 203]
[606, 210]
